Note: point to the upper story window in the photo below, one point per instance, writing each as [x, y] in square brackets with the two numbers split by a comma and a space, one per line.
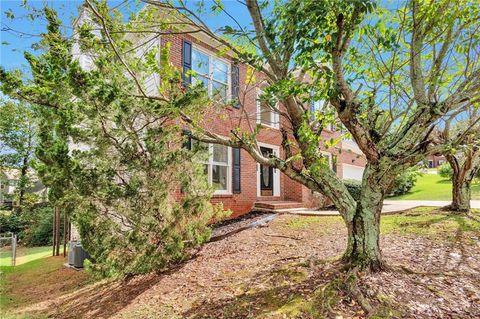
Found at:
[319, 106]
[212, 71]
[266, 115]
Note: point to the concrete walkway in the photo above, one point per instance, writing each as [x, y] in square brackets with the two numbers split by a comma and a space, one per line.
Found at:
[389, 206]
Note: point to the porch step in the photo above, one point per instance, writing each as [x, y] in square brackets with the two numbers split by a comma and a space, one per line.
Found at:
[277, 205]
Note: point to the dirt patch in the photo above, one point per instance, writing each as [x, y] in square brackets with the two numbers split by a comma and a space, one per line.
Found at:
[287, 269]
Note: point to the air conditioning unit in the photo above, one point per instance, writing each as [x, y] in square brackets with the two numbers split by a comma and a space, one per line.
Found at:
[70, 252]
[79, 255]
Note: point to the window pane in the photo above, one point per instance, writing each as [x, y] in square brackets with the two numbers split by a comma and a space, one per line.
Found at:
[219, 90]
[318, 105]
[220, 71]
[220, 153]
[200, 62]
[265, 114]
[219, 177]
[202, 79]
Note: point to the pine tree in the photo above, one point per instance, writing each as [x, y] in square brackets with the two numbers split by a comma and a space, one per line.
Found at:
[113, 158]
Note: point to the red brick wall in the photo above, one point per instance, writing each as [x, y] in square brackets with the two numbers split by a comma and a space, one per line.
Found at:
[436, 160]
[224, 120]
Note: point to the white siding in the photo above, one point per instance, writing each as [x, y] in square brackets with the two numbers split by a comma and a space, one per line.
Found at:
[352, 172]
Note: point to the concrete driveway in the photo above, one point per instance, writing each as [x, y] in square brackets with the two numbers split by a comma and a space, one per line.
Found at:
[399, 205]
[389, 206]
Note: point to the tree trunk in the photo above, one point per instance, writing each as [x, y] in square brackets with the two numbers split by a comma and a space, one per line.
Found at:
[460, 195]
[363, 246]
[65, 230]
[57, 231]
[23, 181]
[54, 231]
[463, 173]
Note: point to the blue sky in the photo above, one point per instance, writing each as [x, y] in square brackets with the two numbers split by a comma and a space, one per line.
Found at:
[18, 34]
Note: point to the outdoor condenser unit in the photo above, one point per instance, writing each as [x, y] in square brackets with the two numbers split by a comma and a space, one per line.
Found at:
[79, 255]
[70, 252]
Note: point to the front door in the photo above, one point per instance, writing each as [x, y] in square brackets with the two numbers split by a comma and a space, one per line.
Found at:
[266, 175]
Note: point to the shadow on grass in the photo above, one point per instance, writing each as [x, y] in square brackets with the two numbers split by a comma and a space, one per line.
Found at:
[444, 181]
[27, 251]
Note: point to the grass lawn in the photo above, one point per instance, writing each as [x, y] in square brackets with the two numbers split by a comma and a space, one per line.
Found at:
[37, 280]
[434, 187]
[24, 254]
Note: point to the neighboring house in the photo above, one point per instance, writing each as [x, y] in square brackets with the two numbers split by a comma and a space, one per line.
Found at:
[8, 181]
[433, 161]
[241, 184]
[9, 178]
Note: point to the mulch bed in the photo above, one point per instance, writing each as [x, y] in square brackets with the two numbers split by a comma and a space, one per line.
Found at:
[262, 271]
[235, 225]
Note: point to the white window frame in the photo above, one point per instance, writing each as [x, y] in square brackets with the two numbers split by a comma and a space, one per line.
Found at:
[274, 114]
[212, 56]
[210, 162]
[330, 159]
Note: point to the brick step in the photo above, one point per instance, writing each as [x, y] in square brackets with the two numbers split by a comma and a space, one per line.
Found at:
[277, 205]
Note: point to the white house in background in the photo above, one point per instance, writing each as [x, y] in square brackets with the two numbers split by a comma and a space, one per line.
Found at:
[354, 169]
[9, 179]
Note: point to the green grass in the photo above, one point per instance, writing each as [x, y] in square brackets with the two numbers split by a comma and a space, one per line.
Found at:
[431, 222]
[24, 254]
[434, 187]
[305, 222]
[29, 259]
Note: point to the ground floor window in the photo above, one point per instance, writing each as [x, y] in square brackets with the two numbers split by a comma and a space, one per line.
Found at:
[217, 168]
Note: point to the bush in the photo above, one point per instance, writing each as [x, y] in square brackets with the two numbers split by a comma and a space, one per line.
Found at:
[33, 226]
[354, 187]
[445, 171]
[38, 227]
[404, 182]
[10, 222]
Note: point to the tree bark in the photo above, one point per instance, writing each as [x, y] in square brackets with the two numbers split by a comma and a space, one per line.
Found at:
[65, 230]
[464, 171]
[363, 245]
[23, 182]
[460, 195]
[57, 231]
[54, 231]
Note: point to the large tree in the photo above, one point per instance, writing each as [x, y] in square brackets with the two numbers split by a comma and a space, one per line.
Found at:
[112, 157]
[17, 142]
[460, 137]
[388, 73]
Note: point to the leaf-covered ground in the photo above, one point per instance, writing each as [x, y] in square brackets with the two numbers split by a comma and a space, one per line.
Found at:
[288, 269]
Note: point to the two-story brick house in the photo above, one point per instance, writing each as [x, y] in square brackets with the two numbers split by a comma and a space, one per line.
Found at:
[240, 183]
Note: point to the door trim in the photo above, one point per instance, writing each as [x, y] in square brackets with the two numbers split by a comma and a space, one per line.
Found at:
[276, 172]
